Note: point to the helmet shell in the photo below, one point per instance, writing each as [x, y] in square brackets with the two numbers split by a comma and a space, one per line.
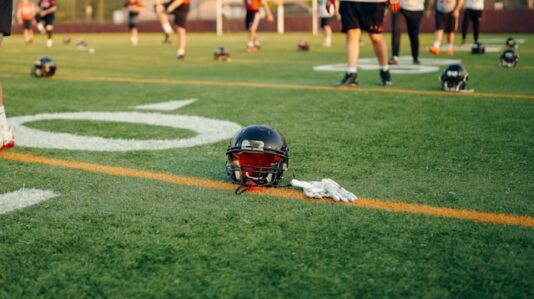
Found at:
[454, 78]
[265, 144]
[45, 66]
[509, 58]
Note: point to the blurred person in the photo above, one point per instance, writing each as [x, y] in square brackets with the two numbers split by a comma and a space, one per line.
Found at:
[163, 18]
[88, 12]
[45, 18]
[180, 9]
[412, 11]
[7, 139]
[357, 15]
[472, 13]
[252, 20]
[447, 13]
[327, 10]
[26, 17]
[133, 7]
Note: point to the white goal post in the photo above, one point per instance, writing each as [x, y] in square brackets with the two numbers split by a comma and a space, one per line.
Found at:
[280, 13]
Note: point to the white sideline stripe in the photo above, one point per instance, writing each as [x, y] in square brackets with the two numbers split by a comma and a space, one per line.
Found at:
[23, 198]
[166, 106]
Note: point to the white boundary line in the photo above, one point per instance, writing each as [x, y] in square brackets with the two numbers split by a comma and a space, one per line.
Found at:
[23, 198]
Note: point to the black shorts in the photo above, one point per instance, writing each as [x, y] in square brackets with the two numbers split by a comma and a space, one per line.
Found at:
[446, 22]
[27, 24]
[6, 9]
[47, 20]
[249, 18]
[325, 22]
[180, 15]
[132, 20]
[367, 16]
[473, 14]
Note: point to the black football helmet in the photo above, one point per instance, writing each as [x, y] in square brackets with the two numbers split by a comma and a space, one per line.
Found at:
[509, 58]
[44, 67]
[511, 43]
[454, 78]
[478, 48]
[303, 45]
[257, 156]
[221, 54]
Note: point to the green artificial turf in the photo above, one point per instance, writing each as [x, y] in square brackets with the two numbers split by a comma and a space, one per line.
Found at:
[120, 237]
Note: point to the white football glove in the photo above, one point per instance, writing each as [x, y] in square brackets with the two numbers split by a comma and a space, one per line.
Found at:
[324, 188]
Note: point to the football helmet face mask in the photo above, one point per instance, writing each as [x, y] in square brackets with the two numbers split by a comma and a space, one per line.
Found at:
[221, 54]
[257, 156]
[454, 78]
[478, 48]
[509, 58]
[44, 67]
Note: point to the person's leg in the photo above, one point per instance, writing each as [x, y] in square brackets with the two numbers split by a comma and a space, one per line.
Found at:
[182, 40]
[166, 26]
[134, 36]
[381, 53]
[254, 30]
[476, 24]
[395, 37]
[413, 22]
[352, 47]
[327, 36]
[379, 47]
[6, 134]
[180, 20]
[438, 34]
[450, 28]
[465, 24]
[49, 31]
[49, 27]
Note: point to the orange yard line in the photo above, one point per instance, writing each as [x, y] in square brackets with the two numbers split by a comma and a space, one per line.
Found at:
[387, 90]
[391, 206]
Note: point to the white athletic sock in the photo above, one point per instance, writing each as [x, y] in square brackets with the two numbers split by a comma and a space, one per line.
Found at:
[436, 44]
[385, 67]
[352, 70]
[327, 41]
[134, 40]
[167, 28]
[250, 44]
[450, 46]
[3, 119]
[180, 52]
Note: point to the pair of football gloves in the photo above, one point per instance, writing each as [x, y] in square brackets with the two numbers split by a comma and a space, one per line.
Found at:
[324, 188]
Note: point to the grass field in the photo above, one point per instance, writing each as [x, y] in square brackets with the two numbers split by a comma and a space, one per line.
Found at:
[164, 223]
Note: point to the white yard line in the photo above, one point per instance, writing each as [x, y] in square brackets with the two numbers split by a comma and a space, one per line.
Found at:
[23, 198]
[166, 106]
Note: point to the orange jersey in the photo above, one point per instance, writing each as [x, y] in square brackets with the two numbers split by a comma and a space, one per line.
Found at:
[27, 11]
[253, 4]
[133, 6]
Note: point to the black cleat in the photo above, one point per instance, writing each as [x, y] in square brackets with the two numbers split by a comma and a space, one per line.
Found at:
[416, 62]
[180, 57]
[386, 78]
[350, 80]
